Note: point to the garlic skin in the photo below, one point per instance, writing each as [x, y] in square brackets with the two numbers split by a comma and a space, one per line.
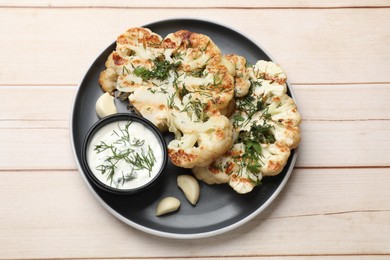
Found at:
[167, 205]
[190, 187]
[105, 105]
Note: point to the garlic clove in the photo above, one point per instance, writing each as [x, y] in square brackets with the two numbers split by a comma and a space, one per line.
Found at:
[190, 187]
[105, 105]
[167, 205]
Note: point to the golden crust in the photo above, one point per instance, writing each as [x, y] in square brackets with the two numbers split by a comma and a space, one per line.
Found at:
[108, 80]
[139, 36]
[241, 78]
[201, 90]
[194, 49]
[265, 108]
[184, 84]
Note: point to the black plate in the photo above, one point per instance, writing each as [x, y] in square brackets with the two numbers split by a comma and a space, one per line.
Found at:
[219, 208]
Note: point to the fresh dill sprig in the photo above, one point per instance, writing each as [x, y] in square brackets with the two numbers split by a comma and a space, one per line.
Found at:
[171, 101]
[126, 178]
[249, 106]
[160, 70]
[197, 108]
[252, 140]
[198, 73]
[143, 160]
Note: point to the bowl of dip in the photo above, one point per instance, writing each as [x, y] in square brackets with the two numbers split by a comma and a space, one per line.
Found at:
[124, 153]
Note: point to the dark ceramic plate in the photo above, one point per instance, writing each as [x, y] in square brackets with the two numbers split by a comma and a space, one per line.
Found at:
[219, 208]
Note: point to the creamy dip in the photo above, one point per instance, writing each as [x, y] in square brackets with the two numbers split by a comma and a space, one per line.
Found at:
[125, 155]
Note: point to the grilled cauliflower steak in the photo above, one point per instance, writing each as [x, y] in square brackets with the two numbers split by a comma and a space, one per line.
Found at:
[266, 128]
[233, 123]
[198, 143]
[180, 84]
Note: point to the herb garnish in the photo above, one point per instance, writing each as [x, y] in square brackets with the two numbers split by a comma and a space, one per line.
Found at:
[136, 160]
[160, 71]
[197, 108]
[249, 106]
[258, 133]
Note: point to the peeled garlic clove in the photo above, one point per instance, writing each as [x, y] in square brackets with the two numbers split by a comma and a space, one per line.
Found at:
[105, 105]
[190, 186]
[167, 205]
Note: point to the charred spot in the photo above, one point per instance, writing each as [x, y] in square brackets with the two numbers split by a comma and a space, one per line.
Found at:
[185, 36]
[282, 148]
[122, 40]
[180, 157]
[168, 44]
[237, 178]
[220, 134]
[118, 60]
[153, 41]
[213, 168]
[273, 165]
[234, 153]
[229, 168]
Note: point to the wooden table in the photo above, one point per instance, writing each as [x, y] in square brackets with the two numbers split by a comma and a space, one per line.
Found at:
[336, 204]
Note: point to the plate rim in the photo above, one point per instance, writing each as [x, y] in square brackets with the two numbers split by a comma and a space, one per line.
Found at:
[174, 235]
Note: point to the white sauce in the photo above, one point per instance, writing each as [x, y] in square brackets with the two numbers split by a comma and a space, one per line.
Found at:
[141, 139]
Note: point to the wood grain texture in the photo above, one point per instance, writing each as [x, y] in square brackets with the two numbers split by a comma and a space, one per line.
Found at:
[310, 201]
[360, 134]
[315, 103]
[336, 205]
[324, 144]
[200, 4]
[61, 43]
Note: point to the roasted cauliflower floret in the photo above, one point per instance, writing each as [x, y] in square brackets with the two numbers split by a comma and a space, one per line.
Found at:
[230, 169]
[219, 170]
[198, 143]
[108, 79]
[274, 157]
[215, 86]
[269, 71]
[151, 102]
[241, 79]
[139, 42]
[194, 50]
[243, 183]
[266, 90]
[281, 118]
[285, 121]
[136, 47]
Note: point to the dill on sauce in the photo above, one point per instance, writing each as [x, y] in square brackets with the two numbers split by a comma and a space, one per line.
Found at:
[125, 178]
[136, 160]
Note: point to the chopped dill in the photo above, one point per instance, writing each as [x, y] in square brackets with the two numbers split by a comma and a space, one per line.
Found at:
[197, 108]
[141, 159]
[160, 71]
